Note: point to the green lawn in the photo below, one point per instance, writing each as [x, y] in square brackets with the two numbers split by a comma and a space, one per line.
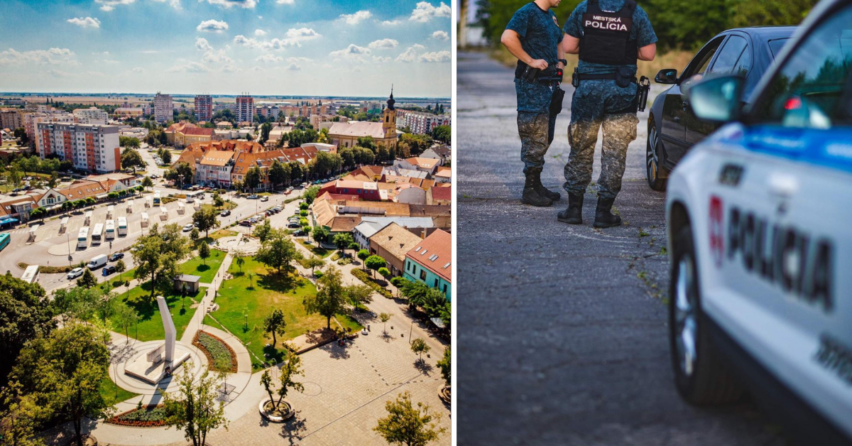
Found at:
[221, 233]
[269, 292]
[205, 269]
[114, 394]
[316, 250]
[150, 325]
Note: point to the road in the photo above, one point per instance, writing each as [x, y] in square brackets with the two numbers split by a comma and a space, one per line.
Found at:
[562, 335]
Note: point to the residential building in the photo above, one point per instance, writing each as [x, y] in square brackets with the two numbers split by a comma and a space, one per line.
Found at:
[430, 262]
[215, 168]
[17, 207]
[163, 108]
[365, 190]
[128, 113]
[204, 107]
[420, 122]
[244, 161]
[91, 115]
[343, 215]
[392, 243]
[439, 195]
[428, 165]
[438, 152]
[32, 119]
[10, 119]
[94, 148]
[184, 133]
[245, 108]
[133, 132]
[384, 134]
[443, 175]
[93, 186]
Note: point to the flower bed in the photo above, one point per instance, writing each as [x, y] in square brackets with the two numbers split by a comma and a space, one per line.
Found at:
[217, 351]
[149, 416]
[364, 277]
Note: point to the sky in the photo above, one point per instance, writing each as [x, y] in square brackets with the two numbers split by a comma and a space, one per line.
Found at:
[260, 47]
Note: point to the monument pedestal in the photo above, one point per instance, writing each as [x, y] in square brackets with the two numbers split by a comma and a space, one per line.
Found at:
[141, 368]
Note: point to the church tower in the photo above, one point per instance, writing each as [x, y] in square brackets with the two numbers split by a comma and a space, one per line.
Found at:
[389, 118]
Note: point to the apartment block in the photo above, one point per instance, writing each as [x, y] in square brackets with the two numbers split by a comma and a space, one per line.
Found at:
[91, 115]
[420, 122]
[204, 107]
[90, 147]
[245, 108]
[163, 108]
[10, 119]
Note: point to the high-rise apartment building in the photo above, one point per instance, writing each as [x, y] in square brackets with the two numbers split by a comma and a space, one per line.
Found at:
[10, 119]
[204, 107]
[245, 108]
[163, 108]
[91, 115]
[94, 148]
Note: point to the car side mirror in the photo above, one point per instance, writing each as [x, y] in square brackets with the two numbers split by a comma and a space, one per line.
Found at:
[716, 99]
[666, 76]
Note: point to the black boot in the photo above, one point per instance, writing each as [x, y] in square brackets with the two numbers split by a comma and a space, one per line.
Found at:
[543, 191]
[603, 217]
[574, 214]
[531, 196]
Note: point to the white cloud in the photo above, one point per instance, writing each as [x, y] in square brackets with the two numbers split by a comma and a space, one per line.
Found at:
[229, 68]
[440, 35]
[286, 2]
[150, 52]
[138, 70]
[410, 55]
[435, 57]
[173, 3]
[109, 5]
[383, 44]
[189, 67]
[358, 17]
[260, 17]
[217, 57]
[53, 56]
[425, 12]
[392, 22]
[352, 53]
[85, 22]
[381, 59]
[57, 73]
[295, 37]
[259, 32]
[293, 67]
[94, 73]
[212, 26]
[269, 58]
[228, 4]
[105, 53]
[299, 59]
[203, 45]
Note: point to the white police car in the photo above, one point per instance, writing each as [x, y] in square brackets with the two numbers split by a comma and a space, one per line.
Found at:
[760, 238]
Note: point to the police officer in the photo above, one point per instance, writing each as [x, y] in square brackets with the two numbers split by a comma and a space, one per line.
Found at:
[609, 36]
[533, 36]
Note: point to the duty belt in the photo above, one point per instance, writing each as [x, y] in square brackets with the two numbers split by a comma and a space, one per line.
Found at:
[577, 77]
[548, 76]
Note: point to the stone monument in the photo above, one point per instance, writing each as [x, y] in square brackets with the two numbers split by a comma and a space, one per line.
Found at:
[161, 361]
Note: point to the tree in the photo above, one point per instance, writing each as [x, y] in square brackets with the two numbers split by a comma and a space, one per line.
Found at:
[25, 314]
[330, 298]
[131, 158]
[167, 157]
[409, 425]
[126, 317]
[251, 280]
[252, 179]
[313, 262]
[277, 251]
[374, 263]
[418, 346]
[193, 235]
[275, 323]
[64, 371]
[265, 128]
[292, 367]
[19, 421]
[442, 133]
[204, 252]
[146, 182]
[239, 260]
[181, 174]
[363, 254]
[193, 407]
[266, 382]
[157, 253]
[359, 295]
[384, 272]
[217, 200]
[319, 234]
[262, 231]
[311, 194]
[87, 280]
[384, 318]
[343, 240]
[120, 267]
[205, 219]
[445, 365]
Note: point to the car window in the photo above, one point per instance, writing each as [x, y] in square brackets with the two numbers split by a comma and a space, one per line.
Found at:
[776, 45]
[698, 65]
[808, 88]
[744, 62]
[729, 55]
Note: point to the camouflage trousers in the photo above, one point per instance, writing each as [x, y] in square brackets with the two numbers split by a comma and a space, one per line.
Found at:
[536, 131]
[600, 104]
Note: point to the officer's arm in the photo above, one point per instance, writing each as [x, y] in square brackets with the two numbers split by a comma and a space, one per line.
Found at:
[512, 42]
[648, 52]
[570, 44]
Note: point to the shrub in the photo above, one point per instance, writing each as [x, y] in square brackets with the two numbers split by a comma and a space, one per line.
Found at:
[219, 355]
[303, 206]
[364, 277]
[318, 274]
[303, 213]
[141, 417]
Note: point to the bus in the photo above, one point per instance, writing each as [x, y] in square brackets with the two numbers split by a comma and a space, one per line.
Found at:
[30, 274]
[97, 233]
[110, 229]
[156, 199]
[122, 226]
[83, 238]
[5, 238]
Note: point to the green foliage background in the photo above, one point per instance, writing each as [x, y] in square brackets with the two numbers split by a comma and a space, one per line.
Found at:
[679, 24]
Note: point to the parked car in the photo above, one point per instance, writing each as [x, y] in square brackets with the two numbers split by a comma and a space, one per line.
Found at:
[190, 200]
[672, 127]
[225, 213]
[760, 295]
[115, 256]
[245, 223]
[108, 270]
[299, 233]
[293, 224]
[75, 273]
[264, 198]
[253, 197]
[188, 228]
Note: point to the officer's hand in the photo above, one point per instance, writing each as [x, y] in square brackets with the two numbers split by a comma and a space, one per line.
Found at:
[540, 64]
[560, 66]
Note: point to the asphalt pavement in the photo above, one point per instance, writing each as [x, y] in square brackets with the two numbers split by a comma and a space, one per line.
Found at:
[562, 335]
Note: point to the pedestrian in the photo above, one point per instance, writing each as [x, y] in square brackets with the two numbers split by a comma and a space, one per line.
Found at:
[533, 36]
[609, 36]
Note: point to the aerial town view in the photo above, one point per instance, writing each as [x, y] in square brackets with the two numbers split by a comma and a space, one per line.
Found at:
[225, 222]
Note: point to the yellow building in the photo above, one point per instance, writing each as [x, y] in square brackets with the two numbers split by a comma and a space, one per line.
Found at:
[346, 134]
[184, 134]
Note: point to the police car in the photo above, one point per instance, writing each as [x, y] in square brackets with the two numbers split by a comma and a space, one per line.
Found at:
[760, 238]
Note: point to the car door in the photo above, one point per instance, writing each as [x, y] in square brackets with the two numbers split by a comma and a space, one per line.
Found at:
[734, 57]
[787, 287]
[673, 134]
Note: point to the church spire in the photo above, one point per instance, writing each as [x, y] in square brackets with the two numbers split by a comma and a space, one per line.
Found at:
[390, 99]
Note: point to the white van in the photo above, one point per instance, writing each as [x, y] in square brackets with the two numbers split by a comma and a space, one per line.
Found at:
[97, 261]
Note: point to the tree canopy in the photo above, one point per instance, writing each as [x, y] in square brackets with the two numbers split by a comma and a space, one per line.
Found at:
[24, 315]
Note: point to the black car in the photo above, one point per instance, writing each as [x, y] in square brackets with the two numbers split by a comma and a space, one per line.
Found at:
[115, 256]
[672, 127]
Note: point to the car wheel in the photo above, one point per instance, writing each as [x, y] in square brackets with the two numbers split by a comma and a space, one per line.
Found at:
[700, 375]
[652, 161]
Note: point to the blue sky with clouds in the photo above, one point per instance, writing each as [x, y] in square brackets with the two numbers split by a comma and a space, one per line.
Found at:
[281, 47]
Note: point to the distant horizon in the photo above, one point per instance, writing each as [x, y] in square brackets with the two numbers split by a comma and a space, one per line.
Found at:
[191, 95]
